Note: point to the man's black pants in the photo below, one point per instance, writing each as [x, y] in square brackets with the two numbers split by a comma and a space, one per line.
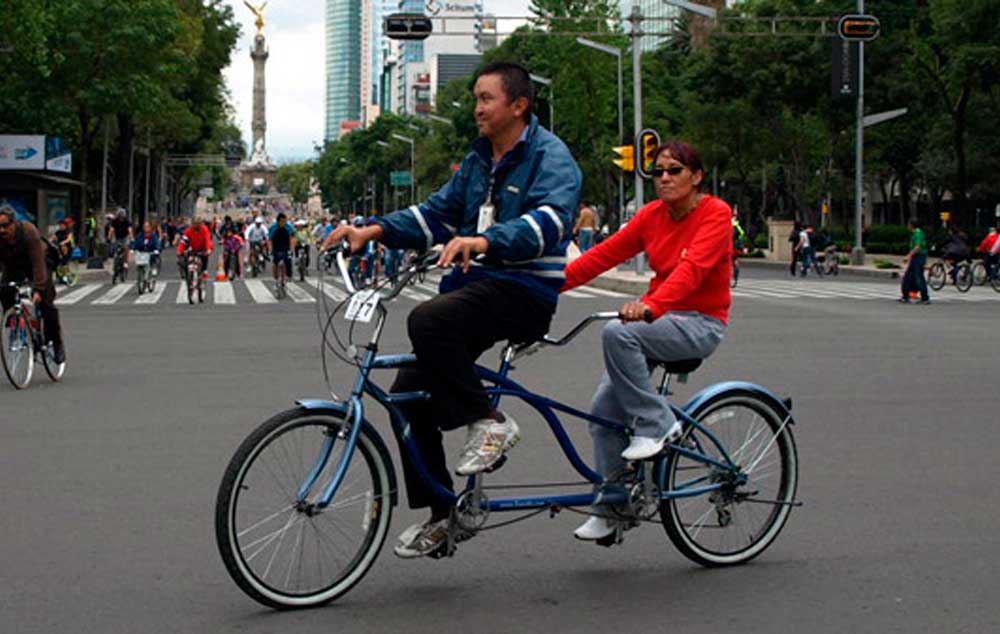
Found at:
[448, 334]
[50, 316]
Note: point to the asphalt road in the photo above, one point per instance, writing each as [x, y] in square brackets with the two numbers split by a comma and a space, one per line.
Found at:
[109, 481]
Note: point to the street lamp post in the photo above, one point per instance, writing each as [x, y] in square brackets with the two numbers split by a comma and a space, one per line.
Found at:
[413, 179]
[617, 52]
[545, 81]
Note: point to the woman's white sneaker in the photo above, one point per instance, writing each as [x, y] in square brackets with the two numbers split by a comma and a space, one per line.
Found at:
[642, 448]
[595, 528]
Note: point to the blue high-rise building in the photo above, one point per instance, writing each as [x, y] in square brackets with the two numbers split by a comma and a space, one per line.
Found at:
[343, 64]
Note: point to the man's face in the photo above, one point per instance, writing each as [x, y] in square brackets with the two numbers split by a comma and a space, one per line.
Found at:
[495, 112]
[7, 228]
[281, 222]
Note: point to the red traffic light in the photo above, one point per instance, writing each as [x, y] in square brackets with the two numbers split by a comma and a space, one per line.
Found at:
[859, 28]
[407, 26]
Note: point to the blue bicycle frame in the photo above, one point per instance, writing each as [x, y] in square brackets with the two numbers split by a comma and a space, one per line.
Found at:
[353, 412]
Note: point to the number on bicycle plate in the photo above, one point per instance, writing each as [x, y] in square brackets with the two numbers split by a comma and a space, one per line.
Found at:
[362, 306]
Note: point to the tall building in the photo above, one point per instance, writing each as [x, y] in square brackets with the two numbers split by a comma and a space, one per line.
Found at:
[343, 66]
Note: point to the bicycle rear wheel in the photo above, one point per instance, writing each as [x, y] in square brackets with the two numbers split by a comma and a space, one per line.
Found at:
[281, 548]
[17, 348]
[936, 276]
[737, 522]
[963, 278]
[979, 273]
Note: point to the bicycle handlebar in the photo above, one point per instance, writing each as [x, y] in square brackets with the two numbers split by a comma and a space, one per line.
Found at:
[533, 347]
[422, 263]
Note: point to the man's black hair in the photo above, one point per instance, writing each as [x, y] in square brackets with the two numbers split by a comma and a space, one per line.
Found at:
[516, 82]
[282, 215]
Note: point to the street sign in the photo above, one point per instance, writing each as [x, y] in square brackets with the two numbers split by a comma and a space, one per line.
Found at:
[649, 140]
[882, 117]
[859, 28]
[400, 178]
[407, 26]
[22, 152]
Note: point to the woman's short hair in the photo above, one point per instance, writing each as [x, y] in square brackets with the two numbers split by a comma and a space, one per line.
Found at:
[684, 153]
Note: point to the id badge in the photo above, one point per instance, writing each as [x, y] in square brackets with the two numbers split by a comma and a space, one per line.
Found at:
[486, 220]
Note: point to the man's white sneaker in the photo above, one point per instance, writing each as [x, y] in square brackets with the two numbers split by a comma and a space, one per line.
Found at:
[642, 447]
[422, 539]
[595, 528]
[486, 444]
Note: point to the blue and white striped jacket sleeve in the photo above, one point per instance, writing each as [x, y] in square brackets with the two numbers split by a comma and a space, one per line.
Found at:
[434, 221]
[545, 228]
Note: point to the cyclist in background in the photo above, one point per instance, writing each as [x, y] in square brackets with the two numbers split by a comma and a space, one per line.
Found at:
[739, 245]
[281, 241]
[120, 234]
[989, 250]
[148, 241]
[23, 257]
[198, 239]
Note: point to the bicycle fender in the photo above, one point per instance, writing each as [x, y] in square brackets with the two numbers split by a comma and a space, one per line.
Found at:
[316, 405]
[783, 406]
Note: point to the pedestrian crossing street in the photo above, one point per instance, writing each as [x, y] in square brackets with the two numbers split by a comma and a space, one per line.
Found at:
[261, 291]
[801, 289]
[255, 292]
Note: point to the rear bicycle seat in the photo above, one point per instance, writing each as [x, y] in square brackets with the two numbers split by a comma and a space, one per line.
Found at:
[682, 366]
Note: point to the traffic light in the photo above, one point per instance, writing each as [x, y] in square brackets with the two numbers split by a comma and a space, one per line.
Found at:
[859, 28]
[627, 160]
[407, 26]
[649, 140]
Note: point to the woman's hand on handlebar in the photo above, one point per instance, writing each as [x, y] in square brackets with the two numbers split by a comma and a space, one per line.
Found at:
[357, 237]
[635, 311]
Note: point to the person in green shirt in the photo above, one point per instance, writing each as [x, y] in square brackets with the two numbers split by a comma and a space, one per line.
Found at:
[915, 260]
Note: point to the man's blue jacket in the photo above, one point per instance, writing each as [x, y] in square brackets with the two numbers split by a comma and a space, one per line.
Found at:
[535, 191]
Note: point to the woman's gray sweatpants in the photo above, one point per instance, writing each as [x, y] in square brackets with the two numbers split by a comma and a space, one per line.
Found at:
[626, 393]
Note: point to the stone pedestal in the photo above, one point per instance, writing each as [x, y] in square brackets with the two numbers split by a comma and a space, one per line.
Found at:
[252, 177]
[779, 248]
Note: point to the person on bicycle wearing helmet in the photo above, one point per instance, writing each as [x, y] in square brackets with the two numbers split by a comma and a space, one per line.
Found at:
[121, 233]
[687, 238]
[512, 201]
[23, 258]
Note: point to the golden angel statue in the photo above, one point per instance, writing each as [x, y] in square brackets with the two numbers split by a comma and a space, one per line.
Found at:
[259, 12]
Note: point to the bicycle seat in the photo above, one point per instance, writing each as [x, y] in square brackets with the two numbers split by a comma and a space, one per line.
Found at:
[683, 366]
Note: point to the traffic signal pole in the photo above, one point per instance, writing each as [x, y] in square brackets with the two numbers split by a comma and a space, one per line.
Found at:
[858, 252]
[636, 35]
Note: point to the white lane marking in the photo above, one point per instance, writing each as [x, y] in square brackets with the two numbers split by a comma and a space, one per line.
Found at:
[152, 298]
[182, 295]
[414, 295]
[299, 294]
[576, 294]
[601, 291]
[112, 296]
[259, 292]
[814, 291]
[77, 294]
[329, 289]
[224, 293]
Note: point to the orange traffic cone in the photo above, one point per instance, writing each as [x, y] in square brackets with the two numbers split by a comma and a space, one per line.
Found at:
[220, 274]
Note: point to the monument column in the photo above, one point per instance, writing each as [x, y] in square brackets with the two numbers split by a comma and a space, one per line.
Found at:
[259, 56]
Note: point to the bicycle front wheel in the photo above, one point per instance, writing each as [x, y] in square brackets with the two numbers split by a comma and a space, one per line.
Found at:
[936, 276]
[281, 548]
[53, 369]
[738, 521]
[17, 348]
[963, 278]
[979, 273]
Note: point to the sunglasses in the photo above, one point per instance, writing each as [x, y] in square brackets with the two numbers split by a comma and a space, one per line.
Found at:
[673, 171]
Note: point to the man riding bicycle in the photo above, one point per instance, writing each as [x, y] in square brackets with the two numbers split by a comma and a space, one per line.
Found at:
[198, 239]
[120, 234]
[281, 241]
[22, 258]
[512, 200]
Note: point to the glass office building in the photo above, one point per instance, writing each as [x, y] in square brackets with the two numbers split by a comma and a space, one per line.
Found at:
[343, 64]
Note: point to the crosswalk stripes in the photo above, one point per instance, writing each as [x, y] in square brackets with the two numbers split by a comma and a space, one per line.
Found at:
[77, 294]
[114, 294]
[154, 296]
[223, 293]
[182, 295]
[603, 292]
[259, 292]
[299, 294]
[329, 289]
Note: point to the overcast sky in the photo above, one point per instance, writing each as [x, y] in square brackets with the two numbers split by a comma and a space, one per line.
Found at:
[295, 72]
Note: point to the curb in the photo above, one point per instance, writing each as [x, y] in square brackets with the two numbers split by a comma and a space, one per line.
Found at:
[845, 269]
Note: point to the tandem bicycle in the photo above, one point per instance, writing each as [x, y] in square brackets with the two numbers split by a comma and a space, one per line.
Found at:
[305, 503]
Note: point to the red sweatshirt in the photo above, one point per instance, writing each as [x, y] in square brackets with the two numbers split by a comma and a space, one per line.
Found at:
[692, 259]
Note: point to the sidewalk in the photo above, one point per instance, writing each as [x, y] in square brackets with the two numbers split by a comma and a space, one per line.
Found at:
[627, 280]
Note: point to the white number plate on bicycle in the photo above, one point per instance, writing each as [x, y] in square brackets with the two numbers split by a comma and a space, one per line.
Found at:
[141, 258]
[362, 306]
